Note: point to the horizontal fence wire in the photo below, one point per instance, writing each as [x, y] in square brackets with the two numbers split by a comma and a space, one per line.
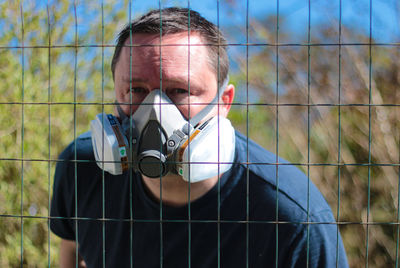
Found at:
[209, 162]
[344, 44]
[202, 103]
[245, 222]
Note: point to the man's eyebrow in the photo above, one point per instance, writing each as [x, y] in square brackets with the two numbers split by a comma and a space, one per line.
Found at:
[171, 80]
[133, 79]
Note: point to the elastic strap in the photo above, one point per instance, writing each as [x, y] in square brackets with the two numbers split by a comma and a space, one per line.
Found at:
[206, 110]
[121, 113]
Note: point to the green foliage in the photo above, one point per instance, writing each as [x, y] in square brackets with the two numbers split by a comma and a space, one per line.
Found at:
[44, 105]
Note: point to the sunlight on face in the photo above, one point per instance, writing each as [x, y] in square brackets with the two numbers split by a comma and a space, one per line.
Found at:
[187, 80]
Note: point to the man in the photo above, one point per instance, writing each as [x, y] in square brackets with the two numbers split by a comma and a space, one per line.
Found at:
[249, 213]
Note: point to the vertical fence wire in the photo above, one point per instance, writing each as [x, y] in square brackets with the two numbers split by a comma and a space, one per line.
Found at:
[398, 192]
[277, 137]
[75, 145]
[161, 115]
[369, 132]
[102, 111]
[308, 127]
[131, 222]
[339, 131]
[22, 131]
[247, 135]
[131, 212]
[398, 196]
[219, 179]
[49, 133]
[189, 149]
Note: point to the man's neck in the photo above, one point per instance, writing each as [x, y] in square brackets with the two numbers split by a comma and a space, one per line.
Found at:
[174, 191]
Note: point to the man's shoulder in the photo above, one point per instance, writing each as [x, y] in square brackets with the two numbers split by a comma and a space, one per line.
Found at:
[76, 158]
[270, 174]
[79, 149]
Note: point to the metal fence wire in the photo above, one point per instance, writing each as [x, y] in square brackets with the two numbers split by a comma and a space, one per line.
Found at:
[317, 83]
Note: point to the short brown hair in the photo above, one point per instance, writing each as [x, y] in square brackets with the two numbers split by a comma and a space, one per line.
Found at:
[176, 20]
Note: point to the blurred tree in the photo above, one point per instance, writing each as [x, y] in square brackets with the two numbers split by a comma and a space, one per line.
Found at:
[312, 107]
[44, 103]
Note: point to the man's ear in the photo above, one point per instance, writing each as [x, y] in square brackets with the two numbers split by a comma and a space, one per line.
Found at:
[226, 100]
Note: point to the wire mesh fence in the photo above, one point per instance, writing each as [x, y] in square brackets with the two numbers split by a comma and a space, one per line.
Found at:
[316, 83]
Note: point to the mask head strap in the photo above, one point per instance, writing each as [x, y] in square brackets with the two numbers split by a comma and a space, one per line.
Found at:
[121, 113]
[206, 110]
[125, 120]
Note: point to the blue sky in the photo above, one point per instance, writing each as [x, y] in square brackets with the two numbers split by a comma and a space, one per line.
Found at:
[355, 13]
[294, 14]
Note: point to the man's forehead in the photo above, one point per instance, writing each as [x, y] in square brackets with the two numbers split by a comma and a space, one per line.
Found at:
[143, 56]
[174, 50]
[151, 40]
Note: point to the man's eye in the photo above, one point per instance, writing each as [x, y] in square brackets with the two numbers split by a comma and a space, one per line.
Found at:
[138, 90]
[177, 91]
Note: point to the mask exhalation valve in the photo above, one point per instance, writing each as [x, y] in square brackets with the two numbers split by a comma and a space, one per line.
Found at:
[152, 164]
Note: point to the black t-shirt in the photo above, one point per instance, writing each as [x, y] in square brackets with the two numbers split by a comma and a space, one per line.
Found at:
[256, 215]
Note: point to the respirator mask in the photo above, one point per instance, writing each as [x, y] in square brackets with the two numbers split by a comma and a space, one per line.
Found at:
[157, 139]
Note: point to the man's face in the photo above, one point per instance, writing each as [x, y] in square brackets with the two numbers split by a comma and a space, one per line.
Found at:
[176, 64]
